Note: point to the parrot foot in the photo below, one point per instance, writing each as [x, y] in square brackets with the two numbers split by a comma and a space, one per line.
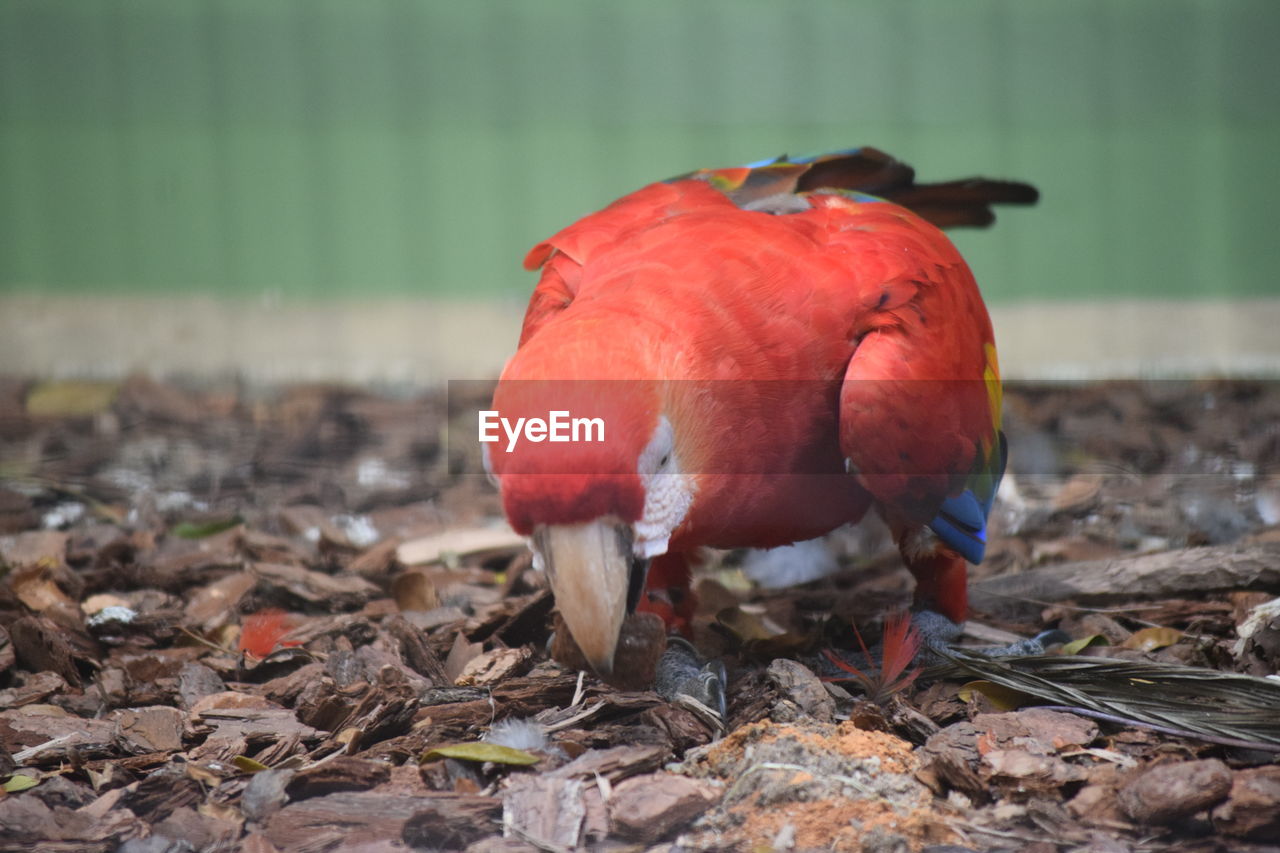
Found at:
[684, 679]
[937, 631]
[1037, 645]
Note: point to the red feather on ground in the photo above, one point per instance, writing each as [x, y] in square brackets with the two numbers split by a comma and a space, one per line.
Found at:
[262, 632]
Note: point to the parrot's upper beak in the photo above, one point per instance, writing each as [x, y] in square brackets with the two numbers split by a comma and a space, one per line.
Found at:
[589, 566]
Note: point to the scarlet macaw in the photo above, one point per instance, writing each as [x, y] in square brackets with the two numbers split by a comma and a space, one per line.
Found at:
[772, 350]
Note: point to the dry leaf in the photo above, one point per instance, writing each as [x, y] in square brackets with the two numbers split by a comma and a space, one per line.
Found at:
[1150, 639]
[247, 765]
[1076, 646]
[70, 399]
[482, 751]
[17, 783]
[1003, 698]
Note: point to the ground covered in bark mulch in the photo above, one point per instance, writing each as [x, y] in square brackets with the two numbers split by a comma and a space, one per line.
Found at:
[281, 620]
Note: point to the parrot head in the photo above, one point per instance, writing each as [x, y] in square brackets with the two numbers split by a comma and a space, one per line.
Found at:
[593, 477]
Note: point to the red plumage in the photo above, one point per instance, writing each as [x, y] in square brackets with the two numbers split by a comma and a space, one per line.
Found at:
[815, 353]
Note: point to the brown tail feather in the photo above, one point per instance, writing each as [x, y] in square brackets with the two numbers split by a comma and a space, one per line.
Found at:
[947, 204]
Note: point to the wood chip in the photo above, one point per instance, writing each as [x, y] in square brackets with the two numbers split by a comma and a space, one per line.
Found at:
[343, 821]
[35, 586]
[338, 774]
[413, 590]
[1168, 792]
[547, 811]
[801, 691]
[212, 604]
[339, 592]
[655, 806]
[35, 688]
[155, 729]
[43, 734]
[495, 666]
[615, 763]
[7, 655]
[40, 645]
[265, 794]
[1250, 811]
[34, 548]
[376, 562]
[416, 652]
[452, 821]
[462, 653]
[255, 724]
[1161, 575]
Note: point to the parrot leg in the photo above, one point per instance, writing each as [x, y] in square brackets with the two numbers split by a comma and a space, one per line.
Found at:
[942, 580]
[942, 604]
[669, 594]
[942, 592]
[683, 678]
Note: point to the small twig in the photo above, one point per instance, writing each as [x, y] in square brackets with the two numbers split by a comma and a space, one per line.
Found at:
[33, 751]
[577, 693]
[605, 786]
[337, 753]
[202, 641]
[576, 718]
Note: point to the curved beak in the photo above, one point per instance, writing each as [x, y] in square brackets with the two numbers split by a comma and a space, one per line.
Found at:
[589, 566]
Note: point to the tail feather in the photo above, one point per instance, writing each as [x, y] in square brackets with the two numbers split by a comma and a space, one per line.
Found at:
[869, 171]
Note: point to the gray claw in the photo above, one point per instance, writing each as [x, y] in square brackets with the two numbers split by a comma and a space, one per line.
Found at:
[685, 680]
[1036, 645]
[939, 632]
[935, 629]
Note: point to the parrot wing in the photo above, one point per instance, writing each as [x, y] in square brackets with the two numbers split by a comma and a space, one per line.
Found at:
[920, 403]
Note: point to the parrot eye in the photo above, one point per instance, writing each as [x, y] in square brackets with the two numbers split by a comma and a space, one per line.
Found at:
[659, 452]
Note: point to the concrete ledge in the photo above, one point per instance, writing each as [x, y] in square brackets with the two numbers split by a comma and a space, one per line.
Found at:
[422, 342]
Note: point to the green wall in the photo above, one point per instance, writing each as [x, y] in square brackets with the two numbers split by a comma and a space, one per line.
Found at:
[389, 147]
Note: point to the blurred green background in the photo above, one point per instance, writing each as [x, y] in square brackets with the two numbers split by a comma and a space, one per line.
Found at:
[414, 148]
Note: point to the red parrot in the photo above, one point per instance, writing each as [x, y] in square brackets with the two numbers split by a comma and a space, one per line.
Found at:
[768, 352]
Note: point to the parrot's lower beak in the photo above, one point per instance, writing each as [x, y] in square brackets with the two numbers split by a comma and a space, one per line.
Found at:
[590, 570]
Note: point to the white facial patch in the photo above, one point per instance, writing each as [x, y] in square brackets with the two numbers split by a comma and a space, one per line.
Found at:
[668, 493]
